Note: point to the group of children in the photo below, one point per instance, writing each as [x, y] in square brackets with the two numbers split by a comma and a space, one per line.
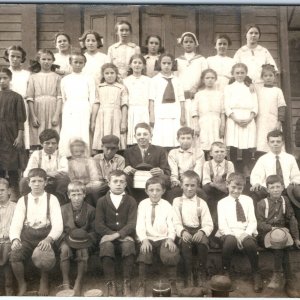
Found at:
[78, 104]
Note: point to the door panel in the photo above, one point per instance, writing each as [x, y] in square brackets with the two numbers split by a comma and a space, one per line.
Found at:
[169, 23]
[102, 18]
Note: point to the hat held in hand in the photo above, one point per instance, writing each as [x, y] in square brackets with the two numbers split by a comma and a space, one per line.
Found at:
[43, 259]
[78, 238]
[278, 238]
[293, 191]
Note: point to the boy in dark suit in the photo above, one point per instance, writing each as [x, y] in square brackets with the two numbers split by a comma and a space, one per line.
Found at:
[115, 222]
[145, 152]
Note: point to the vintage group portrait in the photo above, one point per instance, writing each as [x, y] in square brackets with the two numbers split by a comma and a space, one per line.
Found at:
[149, 150]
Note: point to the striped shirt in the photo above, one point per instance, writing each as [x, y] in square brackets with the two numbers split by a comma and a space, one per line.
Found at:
[6, 214]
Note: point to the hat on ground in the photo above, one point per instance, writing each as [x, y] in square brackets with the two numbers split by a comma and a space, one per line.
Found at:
[43, 259]
[278, 238]
[220, 283]
[144, 167]
[293, 192]
[169, 258]
[93, 293]
[78, 238]
[161, 289]
[193, 292]
[110, 141]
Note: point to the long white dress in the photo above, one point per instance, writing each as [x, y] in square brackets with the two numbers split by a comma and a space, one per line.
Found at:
[239, 100]
[93, 65]
[189, 72]
[138, 103]
[254, 59]
[78, 93]
[167, 115]
[208, 105]
[269, 100]
[19, 85]
[222, 65]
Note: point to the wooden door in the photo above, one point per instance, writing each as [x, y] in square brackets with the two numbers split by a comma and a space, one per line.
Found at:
[169, 23]
[102, 18]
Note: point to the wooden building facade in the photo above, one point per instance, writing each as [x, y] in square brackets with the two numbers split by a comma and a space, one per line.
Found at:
[33, 27]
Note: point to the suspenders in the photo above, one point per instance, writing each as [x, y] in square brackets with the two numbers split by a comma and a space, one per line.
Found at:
[40, 160]
[48, 204]
[267, 206]
[211, 171]
[198, 209]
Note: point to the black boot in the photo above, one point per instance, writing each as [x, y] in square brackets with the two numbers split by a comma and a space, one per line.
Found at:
[141, 291]
[111, 289]
[126, 288]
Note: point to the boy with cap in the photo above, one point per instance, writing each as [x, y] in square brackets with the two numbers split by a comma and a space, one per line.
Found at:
[78, 236]
[193, 224]
[237, 226]
[278, 230]
[37, 223]
[115, 222]
[7, 208]
[49, 159]
[156, 233]
[108, 161]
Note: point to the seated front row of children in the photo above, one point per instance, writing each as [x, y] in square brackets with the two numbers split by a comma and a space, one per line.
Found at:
[163, 231]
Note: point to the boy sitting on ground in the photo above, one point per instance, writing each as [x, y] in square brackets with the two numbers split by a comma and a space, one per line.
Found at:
[193, 224]
[78, 236]
[276, 220]
[115, 222]
[7, 209]
[156, 233]
[36, 224]
[237, 227]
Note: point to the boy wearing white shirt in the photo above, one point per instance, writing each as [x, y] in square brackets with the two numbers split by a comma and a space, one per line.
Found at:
[237, 227]
[56, 166]
[155, 231]
[37, 222]
[193, 223]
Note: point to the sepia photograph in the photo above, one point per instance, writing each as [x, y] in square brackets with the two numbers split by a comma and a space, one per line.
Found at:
[149, 150]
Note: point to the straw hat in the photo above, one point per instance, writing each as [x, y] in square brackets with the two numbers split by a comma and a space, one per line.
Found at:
[278, 238]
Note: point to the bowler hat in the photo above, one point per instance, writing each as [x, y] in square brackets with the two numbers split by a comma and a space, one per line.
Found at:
[161, 289]
[110, 140]
[293, 192]
[78, 238]
[43, 259]
[221, 283]
[144, 167]
[169, 258]
[278, 238]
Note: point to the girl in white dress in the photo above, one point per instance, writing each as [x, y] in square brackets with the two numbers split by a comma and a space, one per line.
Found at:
[62, 58]
[138, 86]
[167, 110]
[221, 63]
[16, 55]
[208, 112]
[78, 93]
[271, 108]
[241, 108]
[189, 69]
[154, 50]
[120, 52]
[91, 41]
[254, 55]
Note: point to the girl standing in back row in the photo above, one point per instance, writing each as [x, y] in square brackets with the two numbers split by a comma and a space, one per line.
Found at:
[121, 52]
[44, 98]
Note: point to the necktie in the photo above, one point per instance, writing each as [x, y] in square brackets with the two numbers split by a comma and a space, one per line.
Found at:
[169, 94]
[153, 213]
[278, 167]
[144, 154]
[240, 215]
[218, 170]
[49, 157]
